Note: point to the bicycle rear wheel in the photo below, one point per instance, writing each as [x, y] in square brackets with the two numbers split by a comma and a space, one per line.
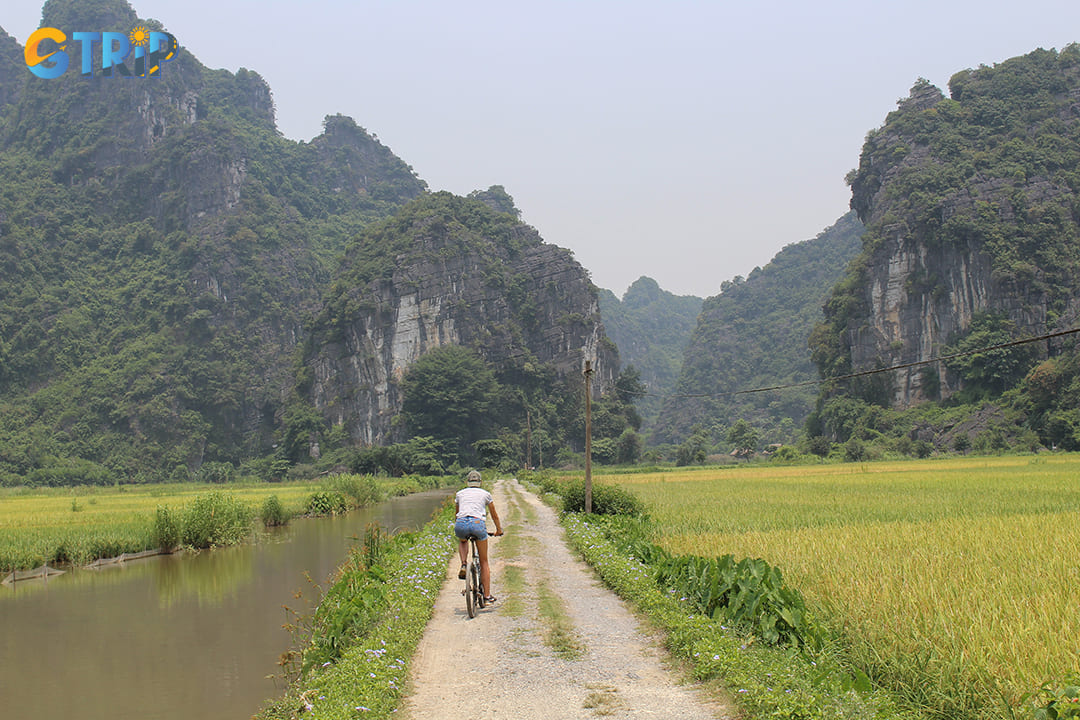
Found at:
[479, 587]
[471, 582]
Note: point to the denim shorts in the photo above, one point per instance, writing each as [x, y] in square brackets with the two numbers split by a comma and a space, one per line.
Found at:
[468, 527]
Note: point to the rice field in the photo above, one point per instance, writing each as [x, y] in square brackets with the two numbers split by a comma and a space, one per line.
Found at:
[80, 524]
[955, 582]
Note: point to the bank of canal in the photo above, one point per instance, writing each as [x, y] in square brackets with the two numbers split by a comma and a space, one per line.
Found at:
[194, 635]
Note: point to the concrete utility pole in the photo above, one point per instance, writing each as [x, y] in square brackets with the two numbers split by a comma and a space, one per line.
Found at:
[588, 436]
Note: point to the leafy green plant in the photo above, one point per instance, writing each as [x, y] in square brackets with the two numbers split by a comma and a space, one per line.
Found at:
[749, 593]
[1063, 702]
[167, 533]
[606, 499]
[273, 512]
[348, 611]
[326, 502]
[215, 519]
[361, 489]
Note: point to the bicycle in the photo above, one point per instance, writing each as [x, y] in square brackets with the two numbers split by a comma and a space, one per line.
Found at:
[474, 589]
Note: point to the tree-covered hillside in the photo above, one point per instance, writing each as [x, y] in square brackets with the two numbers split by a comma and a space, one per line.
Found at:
[752, 335]
[162, 247]
[971, 208]
[651, 326]
[453, 320]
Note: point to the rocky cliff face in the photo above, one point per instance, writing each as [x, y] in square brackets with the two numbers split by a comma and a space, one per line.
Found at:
[920, 298]
[969, 203]
[444, 273]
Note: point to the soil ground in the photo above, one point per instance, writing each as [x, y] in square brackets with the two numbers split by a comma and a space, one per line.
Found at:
[557, 644]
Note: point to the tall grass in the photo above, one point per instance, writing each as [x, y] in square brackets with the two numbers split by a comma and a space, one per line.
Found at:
[952, 582]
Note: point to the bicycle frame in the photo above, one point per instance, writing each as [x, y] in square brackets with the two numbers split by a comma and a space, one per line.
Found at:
[474, 591]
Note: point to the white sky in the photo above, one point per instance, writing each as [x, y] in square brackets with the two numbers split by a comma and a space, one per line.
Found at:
[686, 141]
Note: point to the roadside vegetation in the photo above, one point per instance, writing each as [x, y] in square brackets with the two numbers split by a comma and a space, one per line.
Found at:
[353, 651]
[948, 583]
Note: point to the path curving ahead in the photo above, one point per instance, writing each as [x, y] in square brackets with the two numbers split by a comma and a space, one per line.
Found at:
[533, 656]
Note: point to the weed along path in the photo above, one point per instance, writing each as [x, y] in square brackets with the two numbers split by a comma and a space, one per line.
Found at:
[557, 644]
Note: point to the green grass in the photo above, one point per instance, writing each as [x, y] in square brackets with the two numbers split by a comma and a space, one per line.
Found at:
[558, 629]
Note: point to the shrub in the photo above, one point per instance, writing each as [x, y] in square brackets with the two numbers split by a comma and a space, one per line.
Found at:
[787, 453]
[606, 499]
[215, 519]
[274, 513]
[325, 502]
[361, 489]
[854, 450]
[167, 531]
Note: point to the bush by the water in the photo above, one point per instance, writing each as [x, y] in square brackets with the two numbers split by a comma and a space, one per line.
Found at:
[216, 519]
[326, 502]
[362, 490]
[168, 529]
[274, 513]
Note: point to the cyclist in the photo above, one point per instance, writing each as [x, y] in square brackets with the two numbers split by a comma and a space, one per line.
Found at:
[471, 505]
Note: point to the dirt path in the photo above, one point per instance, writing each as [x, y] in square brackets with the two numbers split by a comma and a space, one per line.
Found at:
[557, 644]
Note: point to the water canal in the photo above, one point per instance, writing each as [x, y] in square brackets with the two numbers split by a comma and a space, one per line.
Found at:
[185, 636]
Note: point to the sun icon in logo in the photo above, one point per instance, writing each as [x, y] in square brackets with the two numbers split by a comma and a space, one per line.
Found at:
[139, 36]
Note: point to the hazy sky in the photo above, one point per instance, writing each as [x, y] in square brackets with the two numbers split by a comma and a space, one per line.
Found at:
[686, 141]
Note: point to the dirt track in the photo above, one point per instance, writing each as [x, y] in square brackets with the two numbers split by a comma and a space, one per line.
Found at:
[504, 664]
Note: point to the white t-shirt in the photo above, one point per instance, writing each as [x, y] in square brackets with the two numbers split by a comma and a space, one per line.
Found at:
[473, 502]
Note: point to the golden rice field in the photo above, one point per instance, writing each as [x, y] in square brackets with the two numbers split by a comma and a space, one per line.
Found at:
[88, 522]
[954, 581]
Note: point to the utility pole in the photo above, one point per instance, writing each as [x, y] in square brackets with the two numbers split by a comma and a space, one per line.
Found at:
[588, 436]
[528, 439]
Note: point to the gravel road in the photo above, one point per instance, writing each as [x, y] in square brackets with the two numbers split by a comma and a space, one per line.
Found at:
[504, 664]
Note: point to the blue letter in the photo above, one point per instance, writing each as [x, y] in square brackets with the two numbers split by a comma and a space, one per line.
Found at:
[114, 56]
[87, 39]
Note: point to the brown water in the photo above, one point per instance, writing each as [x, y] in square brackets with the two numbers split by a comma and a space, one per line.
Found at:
[186, 636]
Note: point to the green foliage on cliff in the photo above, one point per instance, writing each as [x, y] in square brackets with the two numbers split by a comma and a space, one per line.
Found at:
[449, 393]
[651, 326]
[992, 170]
[753, 335]
[486, 325]
[161, 248]
[990, 174]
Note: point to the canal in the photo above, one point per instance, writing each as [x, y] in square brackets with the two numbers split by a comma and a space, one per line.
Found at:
[183, 636]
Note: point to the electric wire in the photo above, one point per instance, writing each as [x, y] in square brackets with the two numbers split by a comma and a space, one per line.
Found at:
[874, 371]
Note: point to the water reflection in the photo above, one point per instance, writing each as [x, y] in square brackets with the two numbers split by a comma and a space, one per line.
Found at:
[195, 635]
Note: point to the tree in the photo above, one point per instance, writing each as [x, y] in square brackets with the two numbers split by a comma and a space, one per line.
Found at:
[990, 373]
[491, 452]
[447, 394]
[629, 447]
[744, 437]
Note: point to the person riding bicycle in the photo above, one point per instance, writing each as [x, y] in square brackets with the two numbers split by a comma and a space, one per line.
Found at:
[471, 505]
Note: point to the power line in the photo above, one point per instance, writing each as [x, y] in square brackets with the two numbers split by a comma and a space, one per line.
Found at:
[864, 373]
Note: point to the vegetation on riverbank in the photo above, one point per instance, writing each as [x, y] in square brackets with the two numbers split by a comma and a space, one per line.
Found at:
[75, 526]
[356, 648]
[947, 582]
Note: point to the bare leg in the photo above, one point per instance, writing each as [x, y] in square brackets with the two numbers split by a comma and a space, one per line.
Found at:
[485, 571]
[463, 550]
